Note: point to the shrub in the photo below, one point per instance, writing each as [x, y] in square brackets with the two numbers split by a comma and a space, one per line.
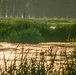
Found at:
[30, 35]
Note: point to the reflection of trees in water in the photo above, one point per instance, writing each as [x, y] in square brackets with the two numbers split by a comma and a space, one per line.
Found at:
[38, 8]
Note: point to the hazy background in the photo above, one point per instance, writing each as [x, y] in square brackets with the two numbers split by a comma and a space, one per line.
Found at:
[38, 8]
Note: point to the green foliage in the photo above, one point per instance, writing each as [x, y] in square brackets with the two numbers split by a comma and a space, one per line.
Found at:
[30, 35]
[36, 30]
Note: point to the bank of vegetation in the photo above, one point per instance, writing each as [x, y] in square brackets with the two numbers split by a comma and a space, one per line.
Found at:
[37, 30]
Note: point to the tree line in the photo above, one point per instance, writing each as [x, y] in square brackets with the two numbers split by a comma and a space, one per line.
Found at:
[37, 8]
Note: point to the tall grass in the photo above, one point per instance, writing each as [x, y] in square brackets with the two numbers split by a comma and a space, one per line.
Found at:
[37, 65]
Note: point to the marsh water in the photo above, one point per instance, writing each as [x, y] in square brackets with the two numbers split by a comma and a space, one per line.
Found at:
[11, 51]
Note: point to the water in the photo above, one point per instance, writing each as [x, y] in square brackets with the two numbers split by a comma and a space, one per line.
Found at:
[9, 51]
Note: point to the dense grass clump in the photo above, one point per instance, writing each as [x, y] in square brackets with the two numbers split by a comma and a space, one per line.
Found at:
[37, 30]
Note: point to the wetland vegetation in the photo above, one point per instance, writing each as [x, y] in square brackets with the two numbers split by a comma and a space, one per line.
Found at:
[33, 31]
[37, 37]
[36, 30]
[53, 59]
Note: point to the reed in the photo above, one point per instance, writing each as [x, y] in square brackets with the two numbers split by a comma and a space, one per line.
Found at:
[37, 65]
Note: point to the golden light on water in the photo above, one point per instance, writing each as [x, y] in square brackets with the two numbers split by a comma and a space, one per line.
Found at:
[10, 51]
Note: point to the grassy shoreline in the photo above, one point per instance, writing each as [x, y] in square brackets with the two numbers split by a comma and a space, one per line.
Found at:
[37, 30]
